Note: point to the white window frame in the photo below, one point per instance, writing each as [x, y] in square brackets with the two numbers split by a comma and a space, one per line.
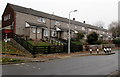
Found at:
[57, 23]
[53, 34]
[38, 31]
[7, 17]
[75, 27]
[90, 29]
[83, 28]
[33, 30]
[46, 32]
[41, 19]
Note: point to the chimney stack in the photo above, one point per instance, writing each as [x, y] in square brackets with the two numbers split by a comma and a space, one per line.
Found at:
[74, 19]
[83, 21]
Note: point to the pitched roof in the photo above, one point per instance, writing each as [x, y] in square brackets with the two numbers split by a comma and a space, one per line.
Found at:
[46, 15]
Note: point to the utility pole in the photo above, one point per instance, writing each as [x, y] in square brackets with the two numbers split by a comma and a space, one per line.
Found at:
[69, 32]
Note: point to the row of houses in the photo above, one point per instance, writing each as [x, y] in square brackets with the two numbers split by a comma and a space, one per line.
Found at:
[33, 24]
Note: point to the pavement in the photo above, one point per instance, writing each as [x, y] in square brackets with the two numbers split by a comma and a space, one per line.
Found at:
[47, 57]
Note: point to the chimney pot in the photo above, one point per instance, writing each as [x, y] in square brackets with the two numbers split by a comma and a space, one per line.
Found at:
[83, 21]
[74, 19]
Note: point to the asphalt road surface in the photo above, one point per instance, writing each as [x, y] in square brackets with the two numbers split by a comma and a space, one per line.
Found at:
[85, 65]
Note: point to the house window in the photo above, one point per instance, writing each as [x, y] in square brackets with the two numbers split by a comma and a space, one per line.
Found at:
[41, 19]
[33, 30]
[75, 27]
[90, 29]
[57, 23]
[38, 30]
[98, 31]
[45, 32]
[83, 28]
[7, 17]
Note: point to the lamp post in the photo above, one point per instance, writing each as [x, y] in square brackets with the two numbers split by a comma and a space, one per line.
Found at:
[69, 32]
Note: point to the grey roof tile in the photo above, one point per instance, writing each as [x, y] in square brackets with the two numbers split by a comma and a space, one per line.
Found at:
[46, 15]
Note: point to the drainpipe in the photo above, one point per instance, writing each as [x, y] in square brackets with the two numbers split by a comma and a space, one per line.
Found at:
[36, 33]
[51, 23]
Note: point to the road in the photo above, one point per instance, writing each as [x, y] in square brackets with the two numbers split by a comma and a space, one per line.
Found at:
[85, 65]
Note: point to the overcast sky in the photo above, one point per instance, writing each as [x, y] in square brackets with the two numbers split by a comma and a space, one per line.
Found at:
[90, 11]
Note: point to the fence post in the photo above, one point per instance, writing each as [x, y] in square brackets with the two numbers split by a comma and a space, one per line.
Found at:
[33, 52]
[49, 50]
[64, 48]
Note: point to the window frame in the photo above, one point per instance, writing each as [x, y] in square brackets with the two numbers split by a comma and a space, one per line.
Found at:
[7, 17]
[57, 22]
[41, 19]
[46, 32]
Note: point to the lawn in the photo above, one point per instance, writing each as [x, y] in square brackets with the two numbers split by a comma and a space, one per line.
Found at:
[8, 48]
[76, 42]
[10, 60]
[39, 43]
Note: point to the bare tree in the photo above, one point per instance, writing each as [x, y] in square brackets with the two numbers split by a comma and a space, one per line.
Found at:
[99, 24]
[114, 27]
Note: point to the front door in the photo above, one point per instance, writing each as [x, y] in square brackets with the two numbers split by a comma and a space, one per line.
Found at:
[42, 33]
[59, 34]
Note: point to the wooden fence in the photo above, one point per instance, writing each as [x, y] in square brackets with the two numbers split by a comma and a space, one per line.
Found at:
[45, 49]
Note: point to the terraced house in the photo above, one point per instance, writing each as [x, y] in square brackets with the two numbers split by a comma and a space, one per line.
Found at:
[32, 24]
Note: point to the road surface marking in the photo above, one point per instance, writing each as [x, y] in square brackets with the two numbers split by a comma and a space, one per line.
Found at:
[27, 65]
[22, 63]
[33, 66]
[16, 64]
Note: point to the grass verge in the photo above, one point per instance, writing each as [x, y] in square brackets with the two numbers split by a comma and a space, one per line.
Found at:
[11, 61]
[38, 43]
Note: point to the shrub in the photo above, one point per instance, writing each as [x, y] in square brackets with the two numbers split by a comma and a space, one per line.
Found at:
[76, 42]
[101, 42]
[92, 38]
[116, 41]
[80, 36]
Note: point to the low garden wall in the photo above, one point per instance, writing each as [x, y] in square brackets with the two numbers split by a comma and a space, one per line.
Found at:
[94, 47]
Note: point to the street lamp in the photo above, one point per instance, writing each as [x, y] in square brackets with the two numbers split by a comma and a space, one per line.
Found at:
[69, 32]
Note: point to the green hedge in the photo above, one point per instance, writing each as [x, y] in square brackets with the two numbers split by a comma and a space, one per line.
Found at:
[76, 42]
[116, 41]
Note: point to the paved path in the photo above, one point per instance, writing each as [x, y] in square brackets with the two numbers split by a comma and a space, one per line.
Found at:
[86, 65]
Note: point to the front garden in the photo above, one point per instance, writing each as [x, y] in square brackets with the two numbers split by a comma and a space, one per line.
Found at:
[39, 43]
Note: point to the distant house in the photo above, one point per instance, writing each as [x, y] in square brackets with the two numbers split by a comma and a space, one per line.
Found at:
[33, 24]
